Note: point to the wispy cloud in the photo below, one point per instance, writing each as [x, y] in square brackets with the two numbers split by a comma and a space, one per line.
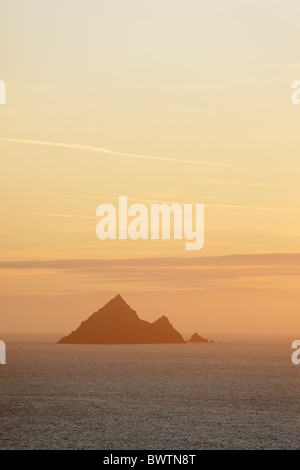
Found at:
[294, 66]
[89, 148]
[196, 86]
[255, 208]
[99, 197]
[148, 201]
[231, 261]
[59, 216]
[269, 2]
[101, 276]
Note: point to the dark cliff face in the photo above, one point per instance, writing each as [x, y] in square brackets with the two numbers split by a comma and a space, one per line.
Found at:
[117, 323]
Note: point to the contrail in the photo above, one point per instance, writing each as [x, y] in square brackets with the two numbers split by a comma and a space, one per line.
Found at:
[111, 152]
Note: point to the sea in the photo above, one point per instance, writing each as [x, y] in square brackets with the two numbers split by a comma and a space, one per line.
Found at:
[225, 395]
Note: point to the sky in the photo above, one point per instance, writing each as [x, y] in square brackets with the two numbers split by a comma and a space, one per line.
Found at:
[170, 101]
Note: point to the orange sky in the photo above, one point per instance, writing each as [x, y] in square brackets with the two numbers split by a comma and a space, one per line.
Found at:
[220, 295]
[162, 101]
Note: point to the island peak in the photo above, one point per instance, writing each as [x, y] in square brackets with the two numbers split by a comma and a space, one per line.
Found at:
[117, 323]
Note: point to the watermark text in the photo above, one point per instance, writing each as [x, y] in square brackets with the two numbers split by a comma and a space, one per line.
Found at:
[2, 92]
[296, 354]
[296, 93]
[136, 222]
[2, 352]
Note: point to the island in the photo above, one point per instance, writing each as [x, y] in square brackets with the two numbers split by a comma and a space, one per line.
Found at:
[195, 338]
[118, 323]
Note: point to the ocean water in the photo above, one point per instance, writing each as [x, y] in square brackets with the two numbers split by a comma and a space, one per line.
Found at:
[165, 397]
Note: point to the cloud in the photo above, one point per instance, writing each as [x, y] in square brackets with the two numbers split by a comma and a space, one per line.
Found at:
[198, 86]
[148, 201]
[60, 216]
[295, 66]
[269, 2]
[230, 261]
[266, 271]
[89, 148]
[255, 208]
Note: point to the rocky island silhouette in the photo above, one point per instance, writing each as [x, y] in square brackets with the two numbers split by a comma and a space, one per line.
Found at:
[195, 338]
[118, 323]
